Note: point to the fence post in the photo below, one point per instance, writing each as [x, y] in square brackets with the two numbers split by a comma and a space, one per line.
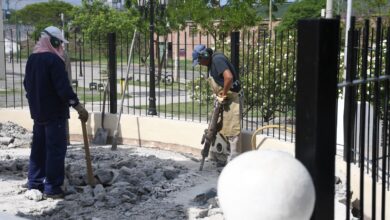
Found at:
[235, 49]
[318, 45]
[112, 71]
[349, 119]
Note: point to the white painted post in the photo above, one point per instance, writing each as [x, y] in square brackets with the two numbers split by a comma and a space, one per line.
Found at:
[329, 9]
[2, 42]
[176, 75]
[348, 24]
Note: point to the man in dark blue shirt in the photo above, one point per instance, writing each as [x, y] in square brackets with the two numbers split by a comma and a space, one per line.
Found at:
[226, 86]
[49, 96]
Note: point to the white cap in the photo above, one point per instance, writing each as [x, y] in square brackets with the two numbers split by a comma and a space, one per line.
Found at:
[55, 32]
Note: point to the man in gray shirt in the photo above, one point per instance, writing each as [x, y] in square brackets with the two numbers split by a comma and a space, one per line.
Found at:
[225, 83]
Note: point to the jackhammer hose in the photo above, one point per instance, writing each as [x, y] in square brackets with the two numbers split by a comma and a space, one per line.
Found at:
[253, 139]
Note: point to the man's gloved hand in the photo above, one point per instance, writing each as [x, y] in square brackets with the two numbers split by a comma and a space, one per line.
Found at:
[83, 114]
[221, 98]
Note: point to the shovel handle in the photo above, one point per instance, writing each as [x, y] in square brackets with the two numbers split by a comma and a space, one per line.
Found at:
[104, 103]
[91, 179]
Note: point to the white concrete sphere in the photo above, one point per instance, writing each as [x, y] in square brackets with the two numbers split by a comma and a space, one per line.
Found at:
[266, 185]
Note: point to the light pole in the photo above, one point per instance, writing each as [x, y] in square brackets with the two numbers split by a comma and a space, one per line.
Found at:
[329, 9]
[79, 42]
[63, 24]
[18, 24]
[152, 81]
[270, 17]
[2, 54]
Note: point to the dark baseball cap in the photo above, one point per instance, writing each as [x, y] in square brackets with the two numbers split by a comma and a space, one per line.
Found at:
[195, 53]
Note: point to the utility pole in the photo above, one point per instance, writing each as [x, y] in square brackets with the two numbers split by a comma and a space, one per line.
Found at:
[270, 17]
[63, 24]
[329, 9]
[347, 25]
[2, 55]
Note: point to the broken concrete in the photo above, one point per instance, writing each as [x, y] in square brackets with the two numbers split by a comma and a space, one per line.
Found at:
[132, 183]
[14, 136]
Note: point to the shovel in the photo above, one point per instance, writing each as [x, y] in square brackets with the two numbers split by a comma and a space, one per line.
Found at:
[91, 179]
[102, 133]
[116, 131]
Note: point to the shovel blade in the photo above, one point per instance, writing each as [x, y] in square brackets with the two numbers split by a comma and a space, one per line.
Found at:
[100, 137]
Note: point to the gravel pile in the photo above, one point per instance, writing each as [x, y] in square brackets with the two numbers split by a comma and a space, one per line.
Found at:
[129, 186]
[131, 183]
[14, 136]
[13, 166]
[209, 205]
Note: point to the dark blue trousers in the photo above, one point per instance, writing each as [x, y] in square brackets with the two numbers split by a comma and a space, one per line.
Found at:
[47, 159]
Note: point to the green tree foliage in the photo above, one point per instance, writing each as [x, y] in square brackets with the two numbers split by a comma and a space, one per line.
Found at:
[41, 15]
[94, 17]
[211, 17]
[300, 10]
[369, 8]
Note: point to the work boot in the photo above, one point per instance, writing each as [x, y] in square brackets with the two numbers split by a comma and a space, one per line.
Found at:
[53, 196]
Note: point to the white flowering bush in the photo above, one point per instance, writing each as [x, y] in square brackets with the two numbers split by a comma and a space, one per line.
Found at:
[267, 76]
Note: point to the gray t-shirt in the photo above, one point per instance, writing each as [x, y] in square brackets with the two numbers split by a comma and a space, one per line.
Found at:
[220, 63]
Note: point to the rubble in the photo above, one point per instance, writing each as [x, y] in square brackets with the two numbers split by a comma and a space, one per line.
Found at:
[208, 202]
[34, 194]
[131, 183]
[14, 136]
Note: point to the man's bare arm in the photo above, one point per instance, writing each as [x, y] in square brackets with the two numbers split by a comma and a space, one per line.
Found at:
[228, 81]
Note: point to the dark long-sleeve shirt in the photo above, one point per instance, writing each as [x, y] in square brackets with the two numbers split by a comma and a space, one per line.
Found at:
[47, 86]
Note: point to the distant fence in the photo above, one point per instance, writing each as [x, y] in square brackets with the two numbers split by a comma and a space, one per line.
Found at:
[267, 71]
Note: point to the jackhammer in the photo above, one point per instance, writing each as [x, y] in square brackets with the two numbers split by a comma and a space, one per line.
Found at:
[210, 133]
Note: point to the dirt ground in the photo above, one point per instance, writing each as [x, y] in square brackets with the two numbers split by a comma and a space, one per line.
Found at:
[137, 183]
[133, 183]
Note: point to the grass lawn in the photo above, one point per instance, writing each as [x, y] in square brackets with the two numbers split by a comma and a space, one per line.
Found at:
[161, 85]
[10, 91]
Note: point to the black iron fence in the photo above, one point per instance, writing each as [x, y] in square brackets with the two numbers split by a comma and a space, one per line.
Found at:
[267, 70]
[363, 88]
[366, 117]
